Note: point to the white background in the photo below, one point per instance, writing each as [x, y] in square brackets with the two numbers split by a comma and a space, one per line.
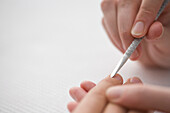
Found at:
[48, 46]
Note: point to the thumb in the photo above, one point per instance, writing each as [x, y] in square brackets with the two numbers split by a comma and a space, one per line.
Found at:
[143, 97]
[145, 17]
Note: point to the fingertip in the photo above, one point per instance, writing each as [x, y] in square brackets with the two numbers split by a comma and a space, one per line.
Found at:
[115, 80]
[155, 31]
[71, 106]
[118, 77]
[72, 92]
[87, 85]
[138, 29]
[77, 93]
[136, 55]
[127, 81]
[135, 80]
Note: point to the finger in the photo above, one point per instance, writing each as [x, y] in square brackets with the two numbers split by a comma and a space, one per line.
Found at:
[95, 100]
[77, 93]
[110, 19]
[114, 108]
[160, 48]
[87, 85]
[134, 80]
[155, 31]
[143, 97]
[127, 11]
[145, 17]
[138, 51]
[111, 39]
[71, 106]
[137, 111]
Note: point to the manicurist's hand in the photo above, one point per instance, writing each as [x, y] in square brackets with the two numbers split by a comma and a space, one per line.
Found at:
[125, 19]
[141, 97]
[81, 93]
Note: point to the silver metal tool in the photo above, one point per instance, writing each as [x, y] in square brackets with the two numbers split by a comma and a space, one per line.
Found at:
[134, 44]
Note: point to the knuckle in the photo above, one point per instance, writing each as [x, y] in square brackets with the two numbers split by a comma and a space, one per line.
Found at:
[147, 12]
[105, 4]
[124, 35]
[100, 94]
[121, 2]
[124, 3]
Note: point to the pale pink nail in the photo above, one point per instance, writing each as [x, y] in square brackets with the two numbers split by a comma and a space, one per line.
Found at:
[135, 80]
[138, 29]
[135, 54]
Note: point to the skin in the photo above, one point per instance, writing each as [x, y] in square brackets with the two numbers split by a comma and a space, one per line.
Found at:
[143, 97]
[78, 93]
[120, 18]
[95, 101]
[134, 97]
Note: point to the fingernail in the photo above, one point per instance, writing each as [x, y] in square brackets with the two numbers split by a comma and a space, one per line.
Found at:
[117, 77]
[138, 29]
[135, 54]
[135, 80]
[114, 92]
[127, 81]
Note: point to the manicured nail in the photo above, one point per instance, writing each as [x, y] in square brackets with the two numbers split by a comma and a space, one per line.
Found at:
[114, 92]
[138, 29]
[135, 80]
[135, 54]
[117, 77]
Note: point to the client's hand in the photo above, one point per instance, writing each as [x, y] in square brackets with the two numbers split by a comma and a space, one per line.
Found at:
[78, 93]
